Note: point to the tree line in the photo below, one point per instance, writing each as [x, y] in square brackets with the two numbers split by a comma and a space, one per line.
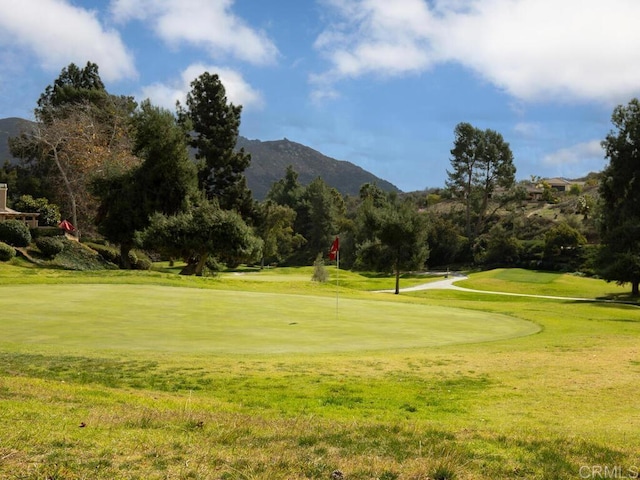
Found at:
[140, 176]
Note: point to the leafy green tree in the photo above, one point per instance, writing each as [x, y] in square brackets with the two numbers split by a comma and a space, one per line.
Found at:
[287, 191]
[318, 218]
[498, 246]
[204, 231]
[165, 182]
[167, 178]
[215, 124]
[620, 196]
[9, 175]
[81, 133]
[548, 193]
[74, 85]
[274, 225]
[118, 217]
[561, 238]
[481, 162]
[392, 238]
[445, 240]
[371, 191]
[585, 206]
[49, 213]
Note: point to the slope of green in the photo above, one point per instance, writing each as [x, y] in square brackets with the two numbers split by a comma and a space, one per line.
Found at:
[131, 393]
[87, 318]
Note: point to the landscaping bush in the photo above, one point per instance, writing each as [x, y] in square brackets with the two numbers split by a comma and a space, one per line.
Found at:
[142, 260]
[50, 246]
[46, 232]
[49, 213]
[110, 254]
[133, 259]
[143, 264]
[15, 233]
[7, 252]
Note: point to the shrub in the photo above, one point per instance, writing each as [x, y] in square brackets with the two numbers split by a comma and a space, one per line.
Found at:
[50, 246]
[110, 254]
[49, 213]
[46, 232]
[15, 233]
[320, 273]
[143, 264]
[7, 252]
[142, 261]
[133, 258]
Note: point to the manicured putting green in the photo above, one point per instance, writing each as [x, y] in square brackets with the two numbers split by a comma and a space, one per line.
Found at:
[195, 321]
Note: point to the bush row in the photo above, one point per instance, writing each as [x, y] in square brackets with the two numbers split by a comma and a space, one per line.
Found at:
[15, 233]
[7, 252]
[138, 260]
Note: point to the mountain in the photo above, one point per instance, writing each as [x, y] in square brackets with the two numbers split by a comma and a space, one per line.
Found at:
[269, 161]
[10, 127]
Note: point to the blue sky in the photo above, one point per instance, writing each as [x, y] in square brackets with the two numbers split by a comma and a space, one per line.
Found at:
[380, 83]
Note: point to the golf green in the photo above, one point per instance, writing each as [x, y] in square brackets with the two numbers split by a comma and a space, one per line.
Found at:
[89, 317]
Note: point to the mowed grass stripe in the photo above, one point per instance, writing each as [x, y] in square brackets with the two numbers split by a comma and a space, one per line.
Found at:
[86, 318]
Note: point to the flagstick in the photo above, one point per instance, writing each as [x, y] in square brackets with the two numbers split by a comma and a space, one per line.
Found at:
[337, 280]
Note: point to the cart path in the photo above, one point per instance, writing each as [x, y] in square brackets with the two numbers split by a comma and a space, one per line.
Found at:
[449, 284]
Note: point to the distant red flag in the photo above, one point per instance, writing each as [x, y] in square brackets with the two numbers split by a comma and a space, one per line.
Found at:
[335, 246]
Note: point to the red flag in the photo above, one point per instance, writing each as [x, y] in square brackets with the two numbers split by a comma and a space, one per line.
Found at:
[335, 246]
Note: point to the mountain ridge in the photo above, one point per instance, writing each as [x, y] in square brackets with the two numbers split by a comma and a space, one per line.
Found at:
[269, 161]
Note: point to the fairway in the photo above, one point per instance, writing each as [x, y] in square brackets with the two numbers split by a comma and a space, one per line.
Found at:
[156, 318]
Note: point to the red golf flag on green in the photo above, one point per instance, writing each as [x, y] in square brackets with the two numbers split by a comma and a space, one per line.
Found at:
[335, 246]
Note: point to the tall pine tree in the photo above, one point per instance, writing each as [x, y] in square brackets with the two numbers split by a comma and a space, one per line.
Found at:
[215, 124]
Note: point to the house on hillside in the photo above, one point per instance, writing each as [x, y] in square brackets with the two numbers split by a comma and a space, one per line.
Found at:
[31, 219]
[562, 184]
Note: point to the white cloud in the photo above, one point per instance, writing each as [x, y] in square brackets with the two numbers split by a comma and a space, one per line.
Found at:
[527, 129]
[58, 33]
[376, 36]
[239, 92]
[208, 24]
[580, 154]
[535, 50]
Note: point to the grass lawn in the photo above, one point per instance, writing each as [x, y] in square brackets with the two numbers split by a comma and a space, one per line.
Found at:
[516, 280]
[152, 376]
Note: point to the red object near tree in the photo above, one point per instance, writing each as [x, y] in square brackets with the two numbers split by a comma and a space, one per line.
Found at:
[335, 247]
[66, 226]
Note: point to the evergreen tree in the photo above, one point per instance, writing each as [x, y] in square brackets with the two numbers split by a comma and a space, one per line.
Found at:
[620, 196]
[165, 182]
[287, 191]
[392, 237]
[274, 225]
[215, 125]
[318, 218]
[481, 162]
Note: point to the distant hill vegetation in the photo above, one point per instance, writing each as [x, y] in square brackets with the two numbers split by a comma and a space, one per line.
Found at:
[269, 161]
[10, 127]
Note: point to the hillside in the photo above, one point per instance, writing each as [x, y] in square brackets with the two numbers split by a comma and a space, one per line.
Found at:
[269, 161]
[10, 127]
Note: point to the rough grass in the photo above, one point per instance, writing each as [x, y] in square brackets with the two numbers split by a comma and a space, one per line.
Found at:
[559, 404]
